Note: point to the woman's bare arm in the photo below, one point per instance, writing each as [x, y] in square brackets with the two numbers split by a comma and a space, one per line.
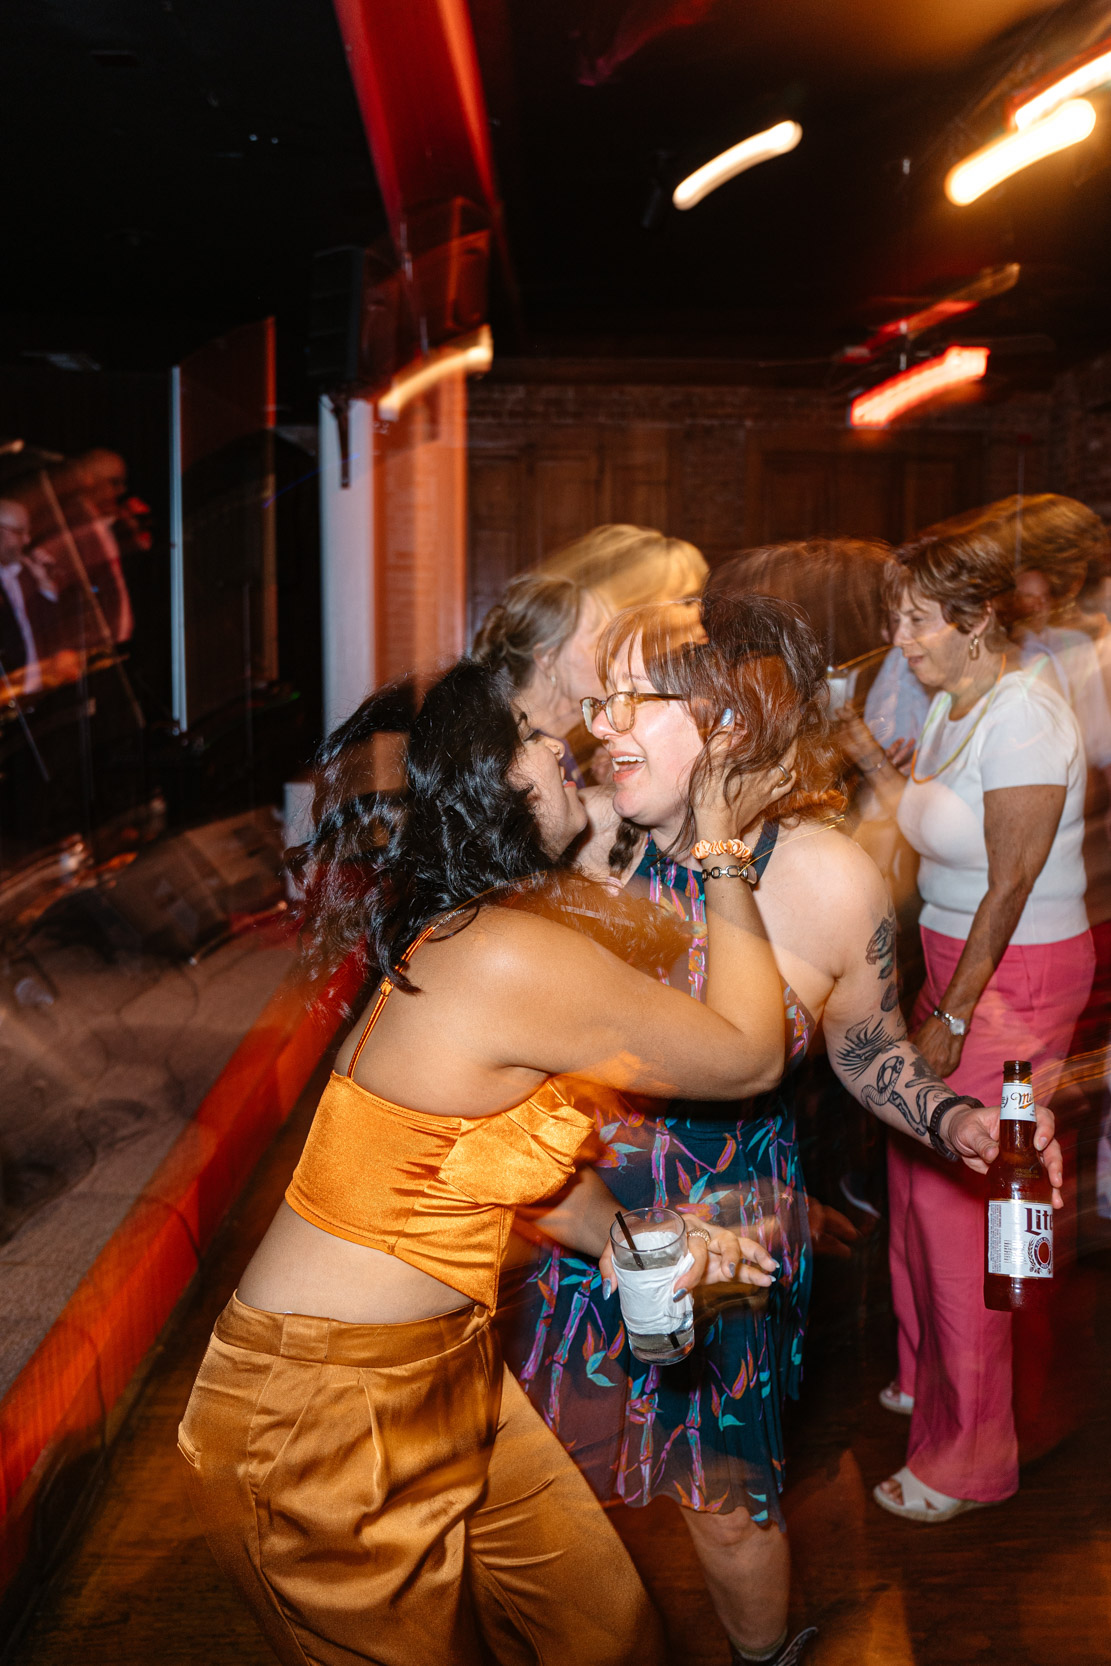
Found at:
[585, 1210]
[1020, 824]
[876, 1061]
[568, 1007]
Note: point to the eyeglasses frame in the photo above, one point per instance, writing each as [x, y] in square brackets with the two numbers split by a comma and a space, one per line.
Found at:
[591, 706]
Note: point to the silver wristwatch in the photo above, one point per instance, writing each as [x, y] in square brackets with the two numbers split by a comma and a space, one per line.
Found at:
[955, 1026]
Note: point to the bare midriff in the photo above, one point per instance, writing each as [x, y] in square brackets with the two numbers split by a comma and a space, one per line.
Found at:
[299, 1268]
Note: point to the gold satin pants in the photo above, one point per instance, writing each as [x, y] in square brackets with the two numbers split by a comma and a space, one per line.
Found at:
[387, 1493]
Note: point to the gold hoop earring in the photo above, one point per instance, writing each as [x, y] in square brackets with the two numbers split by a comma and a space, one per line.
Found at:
[974, 647]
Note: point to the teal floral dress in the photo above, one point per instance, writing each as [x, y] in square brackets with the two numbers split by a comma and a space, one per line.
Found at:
[707, 1430]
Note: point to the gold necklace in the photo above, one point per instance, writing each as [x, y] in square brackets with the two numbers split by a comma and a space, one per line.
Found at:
[920, 780]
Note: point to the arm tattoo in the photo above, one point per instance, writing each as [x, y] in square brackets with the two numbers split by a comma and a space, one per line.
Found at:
[881, 946]
[864, 1047]
[881, 952]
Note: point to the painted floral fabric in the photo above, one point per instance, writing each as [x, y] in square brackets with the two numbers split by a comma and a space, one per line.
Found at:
[706, 1430]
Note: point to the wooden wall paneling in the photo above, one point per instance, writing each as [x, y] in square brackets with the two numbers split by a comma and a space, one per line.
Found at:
[635, 475]
[805, 483]
[866, 494]
[496, 492]
[942, 481]
[790, 496]
[566, 491]
[708, 488]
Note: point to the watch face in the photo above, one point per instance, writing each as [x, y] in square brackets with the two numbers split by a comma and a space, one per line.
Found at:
[957, 1026]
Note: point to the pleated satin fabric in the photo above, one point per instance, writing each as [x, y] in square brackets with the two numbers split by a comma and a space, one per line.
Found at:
[387, 1494]
[436, 1191]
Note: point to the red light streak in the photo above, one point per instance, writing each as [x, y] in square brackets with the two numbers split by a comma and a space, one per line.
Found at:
[893, 398]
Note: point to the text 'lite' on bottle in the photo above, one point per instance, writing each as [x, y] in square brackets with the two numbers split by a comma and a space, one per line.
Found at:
[1018, 1244]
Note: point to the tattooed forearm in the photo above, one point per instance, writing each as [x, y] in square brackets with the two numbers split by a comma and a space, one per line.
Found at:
[889, 1075]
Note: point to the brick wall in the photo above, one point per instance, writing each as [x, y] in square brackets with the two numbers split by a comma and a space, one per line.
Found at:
[555, 448]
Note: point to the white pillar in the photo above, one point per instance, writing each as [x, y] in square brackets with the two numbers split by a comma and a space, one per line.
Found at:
[347, 561]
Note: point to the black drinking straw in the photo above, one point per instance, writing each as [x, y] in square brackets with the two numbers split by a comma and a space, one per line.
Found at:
[631, 1241]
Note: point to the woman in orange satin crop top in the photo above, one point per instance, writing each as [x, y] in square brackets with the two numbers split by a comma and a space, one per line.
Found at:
[354, 1374]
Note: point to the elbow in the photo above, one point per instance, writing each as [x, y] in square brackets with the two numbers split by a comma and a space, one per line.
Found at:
[764, 1072]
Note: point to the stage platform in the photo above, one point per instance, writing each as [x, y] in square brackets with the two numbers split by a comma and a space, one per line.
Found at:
[101, 1074]
[140, 1100]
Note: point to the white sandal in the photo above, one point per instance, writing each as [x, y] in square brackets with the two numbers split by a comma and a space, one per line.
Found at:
[925, 1504]
[892, 1398]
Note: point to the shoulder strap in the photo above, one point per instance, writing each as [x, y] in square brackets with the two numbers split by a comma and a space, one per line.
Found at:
[384, 989]
[386, 985]
[765, 844]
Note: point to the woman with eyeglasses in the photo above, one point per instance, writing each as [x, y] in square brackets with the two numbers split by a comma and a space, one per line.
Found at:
[744, 682]
[362, 1466]
[544, 629]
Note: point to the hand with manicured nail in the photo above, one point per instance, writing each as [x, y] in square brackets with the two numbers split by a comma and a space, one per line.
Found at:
[726, 1259]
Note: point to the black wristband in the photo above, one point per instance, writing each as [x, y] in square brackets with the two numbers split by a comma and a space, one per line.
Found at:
[938, 1112]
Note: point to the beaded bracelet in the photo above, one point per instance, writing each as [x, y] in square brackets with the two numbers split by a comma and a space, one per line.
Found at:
[939, 1111]
[722, 847]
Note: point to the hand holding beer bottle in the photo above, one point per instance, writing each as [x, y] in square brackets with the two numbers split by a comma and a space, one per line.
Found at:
[971, 1131]
[1018, 1241]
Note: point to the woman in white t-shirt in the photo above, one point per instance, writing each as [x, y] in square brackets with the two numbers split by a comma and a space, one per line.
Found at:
[994, 806]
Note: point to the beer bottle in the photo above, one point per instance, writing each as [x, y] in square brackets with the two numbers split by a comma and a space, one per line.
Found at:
[1018, 1243]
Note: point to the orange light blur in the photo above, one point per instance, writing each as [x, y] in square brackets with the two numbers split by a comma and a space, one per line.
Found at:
[761, 147]
[1067, 125]
[902, 393]
[1081, 77]
[469, 356]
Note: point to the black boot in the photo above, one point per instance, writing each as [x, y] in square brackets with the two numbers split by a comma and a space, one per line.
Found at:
[789, 1655]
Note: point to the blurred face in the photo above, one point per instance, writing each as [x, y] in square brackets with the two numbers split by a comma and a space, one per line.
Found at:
[15, 532]
[652, 761]
[1033, 601]
[553, 800]
[106, 482]
[573, 663]
[935, 650]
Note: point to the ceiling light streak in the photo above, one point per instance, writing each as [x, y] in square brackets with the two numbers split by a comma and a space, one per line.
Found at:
[469, 356]
[902, 393]
[761, 147]
[985, 168]
[1083, 78]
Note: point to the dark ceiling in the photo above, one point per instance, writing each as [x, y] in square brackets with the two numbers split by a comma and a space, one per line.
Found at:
[601, 109]
[172, 165]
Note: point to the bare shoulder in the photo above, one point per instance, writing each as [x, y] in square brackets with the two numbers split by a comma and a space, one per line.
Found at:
[824, 855]
[821, 868]
[506, 951]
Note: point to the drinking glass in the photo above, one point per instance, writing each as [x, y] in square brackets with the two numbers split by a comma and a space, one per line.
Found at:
[659, 1325]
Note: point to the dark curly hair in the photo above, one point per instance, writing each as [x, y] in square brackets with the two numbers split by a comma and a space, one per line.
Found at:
[380, 865]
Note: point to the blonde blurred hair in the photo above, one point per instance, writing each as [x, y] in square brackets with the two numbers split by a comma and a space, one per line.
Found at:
[629, 566]
[617, 566]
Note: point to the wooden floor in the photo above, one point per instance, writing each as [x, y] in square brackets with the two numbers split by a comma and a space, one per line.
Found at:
[1028, 1583]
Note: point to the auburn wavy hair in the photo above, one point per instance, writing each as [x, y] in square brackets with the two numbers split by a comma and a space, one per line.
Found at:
[749, 667]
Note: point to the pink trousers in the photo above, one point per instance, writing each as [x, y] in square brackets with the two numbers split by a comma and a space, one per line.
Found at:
[955, 1355]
